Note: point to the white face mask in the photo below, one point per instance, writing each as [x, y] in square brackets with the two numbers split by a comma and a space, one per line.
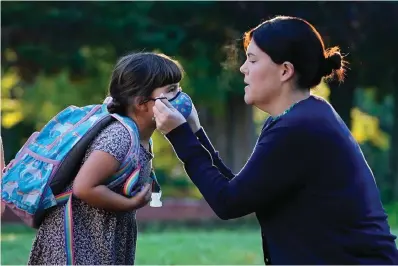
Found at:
[183, 103]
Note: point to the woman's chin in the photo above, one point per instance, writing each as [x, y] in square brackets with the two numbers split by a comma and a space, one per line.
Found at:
[248, 100]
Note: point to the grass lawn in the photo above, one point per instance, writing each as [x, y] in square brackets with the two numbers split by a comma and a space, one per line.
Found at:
[171, 247]
[241, 246]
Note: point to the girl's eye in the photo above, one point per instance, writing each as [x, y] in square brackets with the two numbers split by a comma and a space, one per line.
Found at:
[252, 62]
[173, 88]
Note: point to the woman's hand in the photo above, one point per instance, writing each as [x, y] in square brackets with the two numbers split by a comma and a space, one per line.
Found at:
[193, 120]
[166, 116]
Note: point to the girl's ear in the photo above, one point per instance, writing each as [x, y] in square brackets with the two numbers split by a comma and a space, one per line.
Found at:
[140, 103]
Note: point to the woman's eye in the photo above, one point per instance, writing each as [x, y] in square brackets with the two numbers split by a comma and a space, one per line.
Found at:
[252, 62]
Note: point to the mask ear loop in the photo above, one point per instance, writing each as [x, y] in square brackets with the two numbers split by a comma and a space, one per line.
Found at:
[153, 99]
[161, 98]
[175, 97]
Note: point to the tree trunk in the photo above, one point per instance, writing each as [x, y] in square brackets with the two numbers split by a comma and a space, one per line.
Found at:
[342, 97]
[240, 132]
[215, 127]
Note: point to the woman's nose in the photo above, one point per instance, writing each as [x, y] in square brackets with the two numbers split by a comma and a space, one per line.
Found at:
[243, 69]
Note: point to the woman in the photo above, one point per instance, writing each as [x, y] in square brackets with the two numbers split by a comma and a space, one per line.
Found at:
[105, 227]
[307, 180]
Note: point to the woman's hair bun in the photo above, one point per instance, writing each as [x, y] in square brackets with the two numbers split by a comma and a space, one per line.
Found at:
[332, 62]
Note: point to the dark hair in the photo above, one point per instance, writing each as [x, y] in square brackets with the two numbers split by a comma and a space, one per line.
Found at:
[295, 40]
[138, 75]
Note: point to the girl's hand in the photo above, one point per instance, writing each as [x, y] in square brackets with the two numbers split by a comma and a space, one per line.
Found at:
[142, 198]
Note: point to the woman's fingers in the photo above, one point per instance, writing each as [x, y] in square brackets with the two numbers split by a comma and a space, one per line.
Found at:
[162, 107]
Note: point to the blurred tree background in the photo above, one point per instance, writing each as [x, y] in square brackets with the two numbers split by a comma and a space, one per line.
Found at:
[56, 54]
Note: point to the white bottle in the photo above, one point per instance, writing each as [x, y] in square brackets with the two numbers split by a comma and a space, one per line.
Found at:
[155, 199]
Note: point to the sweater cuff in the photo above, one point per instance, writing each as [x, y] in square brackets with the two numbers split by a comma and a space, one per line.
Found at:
[183, 140]
[205, 141]
[200, 133]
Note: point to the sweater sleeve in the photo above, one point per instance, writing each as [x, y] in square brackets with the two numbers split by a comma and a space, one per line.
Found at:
[271, 174]
[205, 141]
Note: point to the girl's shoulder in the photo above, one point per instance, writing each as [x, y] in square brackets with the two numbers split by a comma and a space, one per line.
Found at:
[114, 139]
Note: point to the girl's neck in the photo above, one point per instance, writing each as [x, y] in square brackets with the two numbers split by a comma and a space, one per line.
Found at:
[146, 132]
[145, 129]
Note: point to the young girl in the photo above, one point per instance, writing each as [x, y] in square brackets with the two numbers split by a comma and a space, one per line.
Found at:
[104, 221]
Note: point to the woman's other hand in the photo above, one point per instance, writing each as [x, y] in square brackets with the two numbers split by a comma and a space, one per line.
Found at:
[193, 120]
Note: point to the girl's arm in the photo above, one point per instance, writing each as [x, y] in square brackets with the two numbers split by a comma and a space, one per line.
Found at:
[109, 149]
[88, 185]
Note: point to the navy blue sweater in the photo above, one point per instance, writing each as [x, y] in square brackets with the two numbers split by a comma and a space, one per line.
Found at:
[308, 183]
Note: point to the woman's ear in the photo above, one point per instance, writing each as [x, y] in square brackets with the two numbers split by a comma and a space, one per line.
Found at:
[287, 71]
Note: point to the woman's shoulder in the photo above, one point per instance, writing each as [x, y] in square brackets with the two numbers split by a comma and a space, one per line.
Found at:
[311, 112]
[313, 119]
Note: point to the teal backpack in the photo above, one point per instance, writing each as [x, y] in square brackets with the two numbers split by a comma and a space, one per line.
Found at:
[33, 182]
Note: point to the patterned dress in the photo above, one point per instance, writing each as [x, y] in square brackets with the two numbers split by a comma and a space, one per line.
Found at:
[100, 237]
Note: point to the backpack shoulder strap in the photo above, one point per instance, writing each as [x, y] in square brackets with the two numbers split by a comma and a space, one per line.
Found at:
[151, 146]
[130, 165]
[155, 185]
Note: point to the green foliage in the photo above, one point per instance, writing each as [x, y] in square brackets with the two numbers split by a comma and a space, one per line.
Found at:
[64, 54]
[114, 29]
[169, 170]
[376, 156]
[56, 54]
